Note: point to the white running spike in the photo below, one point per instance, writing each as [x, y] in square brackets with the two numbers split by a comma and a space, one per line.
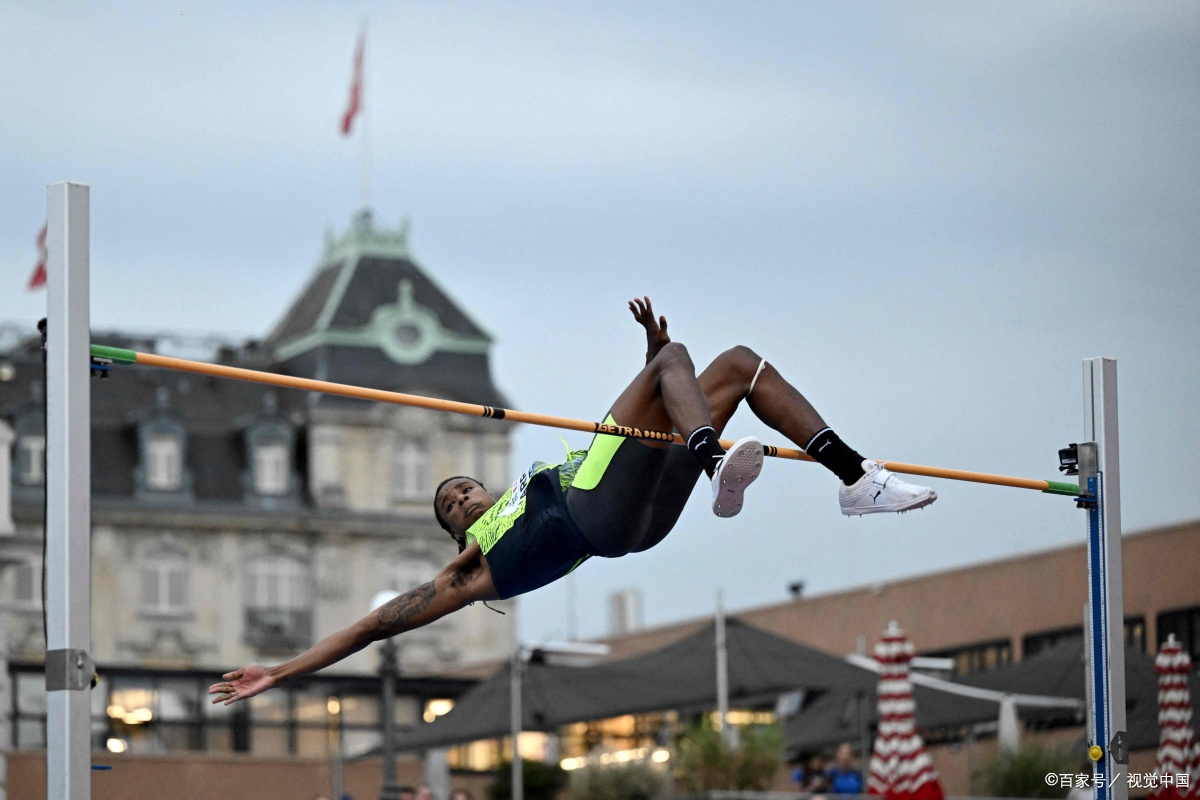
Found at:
[734, 473]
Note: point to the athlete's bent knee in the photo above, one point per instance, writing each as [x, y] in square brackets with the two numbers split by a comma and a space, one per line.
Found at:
[673, 354]
[742, 357]
[738, 363]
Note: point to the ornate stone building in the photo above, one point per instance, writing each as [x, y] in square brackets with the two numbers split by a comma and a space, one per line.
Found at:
[235, 523]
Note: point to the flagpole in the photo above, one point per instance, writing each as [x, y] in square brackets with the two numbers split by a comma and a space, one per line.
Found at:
[365, 160]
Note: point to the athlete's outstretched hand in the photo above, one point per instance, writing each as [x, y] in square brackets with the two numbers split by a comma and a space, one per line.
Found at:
[241, 683]
[656, 329]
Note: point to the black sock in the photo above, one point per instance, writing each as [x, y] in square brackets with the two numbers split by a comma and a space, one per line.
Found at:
[835, 455]
[702, 443]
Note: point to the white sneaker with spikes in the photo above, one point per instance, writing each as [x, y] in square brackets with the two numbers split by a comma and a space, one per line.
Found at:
[737, 470]
[879, 491]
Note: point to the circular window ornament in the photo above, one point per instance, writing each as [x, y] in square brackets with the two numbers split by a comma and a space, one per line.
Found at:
[407, 333]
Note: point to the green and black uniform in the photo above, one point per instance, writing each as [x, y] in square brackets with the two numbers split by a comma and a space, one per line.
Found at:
[528, 536]
[556, 516]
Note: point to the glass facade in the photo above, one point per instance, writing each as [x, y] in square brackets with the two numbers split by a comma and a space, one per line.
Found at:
[1034, 643]
[161, 711]
[977, 657]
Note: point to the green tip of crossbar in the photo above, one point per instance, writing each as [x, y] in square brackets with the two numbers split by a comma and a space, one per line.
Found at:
[1062, 487]
[115, 354]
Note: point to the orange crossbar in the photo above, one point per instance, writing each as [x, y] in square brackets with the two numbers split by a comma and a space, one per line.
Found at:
[472, 409]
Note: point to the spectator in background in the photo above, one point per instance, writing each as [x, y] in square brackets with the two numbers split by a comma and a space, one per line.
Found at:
[407, 793]
[424, 792]
[844, 777]
[816, 779]
[461, 794]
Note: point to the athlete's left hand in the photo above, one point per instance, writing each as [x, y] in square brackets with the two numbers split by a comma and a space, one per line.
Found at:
[241, 684]
[656, 329]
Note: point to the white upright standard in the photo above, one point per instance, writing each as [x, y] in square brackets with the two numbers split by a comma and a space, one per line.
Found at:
[68, 496]
[1099, 477]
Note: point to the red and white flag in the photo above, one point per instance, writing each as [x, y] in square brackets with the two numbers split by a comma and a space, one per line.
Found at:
[38, 278]
[355, 103]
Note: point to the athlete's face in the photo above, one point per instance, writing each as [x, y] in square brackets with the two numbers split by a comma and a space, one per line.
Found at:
[463, 502]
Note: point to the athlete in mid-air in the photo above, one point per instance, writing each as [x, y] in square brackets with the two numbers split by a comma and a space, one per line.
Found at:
[621, 495]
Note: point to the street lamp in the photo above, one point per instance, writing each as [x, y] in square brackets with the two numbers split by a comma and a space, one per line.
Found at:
[388, 673]
[575, 654]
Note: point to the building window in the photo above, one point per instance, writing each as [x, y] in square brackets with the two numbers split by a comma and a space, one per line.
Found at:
[410, 573]
[1135, 633]
[1185, 624]
[495, 467]
[410, 471]
[978, 657]
[31, 464]
[325, 468]
[26, 584]
[271, 468]
[278, 603]
[164, 584]
[156, 711]
[164, 468]
[1035, 643]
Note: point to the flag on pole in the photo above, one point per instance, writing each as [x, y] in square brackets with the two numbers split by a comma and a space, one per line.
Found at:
[355, 103]
[39, 272]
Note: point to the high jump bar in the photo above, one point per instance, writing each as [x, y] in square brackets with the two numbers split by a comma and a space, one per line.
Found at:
[121, 356]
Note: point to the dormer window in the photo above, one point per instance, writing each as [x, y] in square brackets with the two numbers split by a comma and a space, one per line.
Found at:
[268, 478]
[164, 462]
[410, 471]
[162, 473]
[30, 466]
[271, 468]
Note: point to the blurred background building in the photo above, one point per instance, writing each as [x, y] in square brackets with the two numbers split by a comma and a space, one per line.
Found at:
[236, 524]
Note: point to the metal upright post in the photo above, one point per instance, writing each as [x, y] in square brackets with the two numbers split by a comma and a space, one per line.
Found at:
[515, 691]
[387, 673]
[722, 673]
[1100, 475]
[337, 767]
[69, 669]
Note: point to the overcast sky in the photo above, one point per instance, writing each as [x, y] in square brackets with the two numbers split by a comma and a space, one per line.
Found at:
[925, 214]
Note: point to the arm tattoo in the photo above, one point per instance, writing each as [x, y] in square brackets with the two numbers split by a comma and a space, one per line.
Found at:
[396, 612]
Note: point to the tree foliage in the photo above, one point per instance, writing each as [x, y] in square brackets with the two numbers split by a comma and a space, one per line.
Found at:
[1022, 772]
[542, 781]
[705, 761]
[618, 782]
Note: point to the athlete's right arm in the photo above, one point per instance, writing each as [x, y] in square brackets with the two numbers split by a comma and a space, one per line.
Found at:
[463, 581]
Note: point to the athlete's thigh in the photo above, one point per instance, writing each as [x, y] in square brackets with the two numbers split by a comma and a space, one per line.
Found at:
[724, 389]
[641, 405]
[612, 495]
